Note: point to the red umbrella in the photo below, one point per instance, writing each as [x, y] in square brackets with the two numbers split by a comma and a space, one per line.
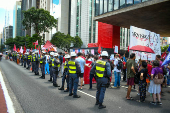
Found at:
[142, 49]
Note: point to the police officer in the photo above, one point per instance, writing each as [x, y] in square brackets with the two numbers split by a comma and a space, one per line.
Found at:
[55, 68]
[73, 72]
[36, 63]
[25, 59]
[29, 58]
[67, 57]
[33, 61]
[21, 58]
[50, 65]
[102, 70]
[42, 64]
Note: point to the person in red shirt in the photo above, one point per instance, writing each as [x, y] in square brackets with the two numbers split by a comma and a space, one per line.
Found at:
[124, 71]
[149, 67]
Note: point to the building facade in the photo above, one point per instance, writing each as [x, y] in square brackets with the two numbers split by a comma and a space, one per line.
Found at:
[17, 30]
[9, 32]
[82, 24]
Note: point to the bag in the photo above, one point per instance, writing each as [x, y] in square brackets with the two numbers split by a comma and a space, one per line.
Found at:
[120, 65]
[159, 78]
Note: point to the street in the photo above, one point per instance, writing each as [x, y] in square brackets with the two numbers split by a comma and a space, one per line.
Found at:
[37, 95]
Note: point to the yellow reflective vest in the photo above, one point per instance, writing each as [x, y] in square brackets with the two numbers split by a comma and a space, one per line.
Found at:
[72, 67]
[100, 68]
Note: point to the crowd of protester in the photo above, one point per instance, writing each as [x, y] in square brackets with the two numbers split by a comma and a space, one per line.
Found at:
[148, 76]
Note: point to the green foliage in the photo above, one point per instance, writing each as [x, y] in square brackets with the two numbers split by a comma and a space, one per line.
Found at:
[63, 41]
[39, 19]
[163, 49]
[78, 42]
[2, 47]
[21, 41]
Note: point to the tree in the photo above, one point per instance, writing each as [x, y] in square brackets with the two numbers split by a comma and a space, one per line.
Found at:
[39, 19]
[77, 42]
[63, 41]
[2, 47]
[10, 43]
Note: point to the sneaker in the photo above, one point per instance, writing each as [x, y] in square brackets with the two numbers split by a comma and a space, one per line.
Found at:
[154, 103]
[159, 103]
[80, 88]
[113, 87]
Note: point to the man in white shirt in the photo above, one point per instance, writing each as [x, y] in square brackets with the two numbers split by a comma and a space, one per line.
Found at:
[117, 72]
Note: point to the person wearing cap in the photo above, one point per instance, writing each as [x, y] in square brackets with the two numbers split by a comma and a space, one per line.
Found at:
[55, 68]
[60, 57]
[67, 58]
[50, 65]
[73, 72]
[33, 61]
[36, 63]
[102, 70]
[25, 59]
[42, 64]
[29, 60]
[21, 59]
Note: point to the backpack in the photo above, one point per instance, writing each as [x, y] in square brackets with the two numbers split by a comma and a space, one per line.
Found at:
[158, 78]
[120, 65]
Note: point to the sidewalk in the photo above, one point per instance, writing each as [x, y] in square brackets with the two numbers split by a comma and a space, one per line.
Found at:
[3, 107]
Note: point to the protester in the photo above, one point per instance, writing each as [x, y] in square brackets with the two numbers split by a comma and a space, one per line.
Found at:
[149, 67]
[142, 82]
[117, 69]
[124, 70]
[155, 89]
[130, 74]
[91, 74]
[81, 62]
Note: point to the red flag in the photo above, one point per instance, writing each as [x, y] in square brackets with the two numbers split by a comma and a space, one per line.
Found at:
[18, 50]
[35, 43]
[99, 49]
[24, 50]
[15, 48]
[164, 55]
[31, 49]
[128, 48]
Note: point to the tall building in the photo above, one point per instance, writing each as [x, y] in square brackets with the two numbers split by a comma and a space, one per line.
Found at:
[23, 8]
[17, 30]
[9, 32]
[116, 16]
[82, 24]
[45, 4]
[1, 38]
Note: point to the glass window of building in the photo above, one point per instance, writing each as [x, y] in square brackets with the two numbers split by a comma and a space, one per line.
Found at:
[101, 6]
[110, 5]
[116, 4]
[137, 1]
[105, 6]
[97, 8]
[129, 2]
[122, 3]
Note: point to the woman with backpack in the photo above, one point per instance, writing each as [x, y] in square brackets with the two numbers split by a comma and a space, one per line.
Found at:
[155, 88]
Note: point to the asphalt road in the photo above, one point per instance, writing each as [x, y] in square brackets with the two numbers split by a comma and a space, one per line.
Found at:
[37, 95]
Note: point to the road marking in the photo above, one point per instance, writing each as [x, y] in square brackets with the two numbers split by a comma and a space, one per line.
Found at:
[86, 94]
[9, 103]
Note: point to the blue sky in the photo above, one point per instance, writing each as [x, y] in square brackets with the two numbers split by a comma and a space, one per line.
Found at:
[5, 7]
[56, 2]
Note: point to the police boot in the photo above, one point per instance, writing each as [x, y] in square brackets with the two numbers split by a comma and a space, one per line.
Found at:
[101, 106]
[70, 94]
[56, 85]
[97, 102]
[67, 90]
[76, 96]
[62, 88]
[50, 80]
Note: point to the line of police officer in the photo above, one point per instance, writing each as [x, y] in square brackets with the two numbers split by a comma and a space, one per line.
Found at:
[101, 69]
